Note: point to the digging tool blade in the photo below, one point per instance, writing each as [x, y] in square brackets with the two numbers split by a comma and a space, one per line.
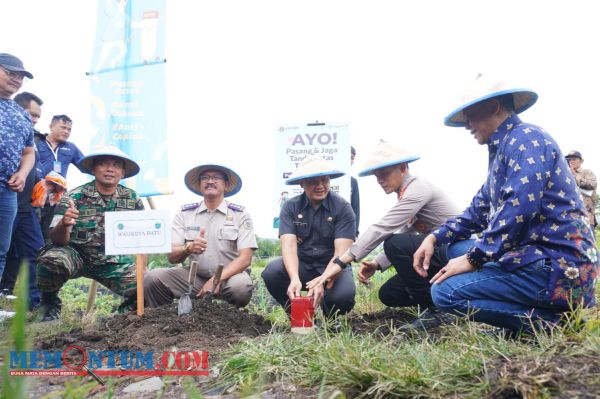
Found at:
[185, 303]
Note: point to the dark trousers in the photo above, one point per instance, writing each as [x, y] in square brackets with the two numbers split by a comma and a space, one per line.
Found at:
[340, 298]
[46, 218]
[26, 241]
[407, 288]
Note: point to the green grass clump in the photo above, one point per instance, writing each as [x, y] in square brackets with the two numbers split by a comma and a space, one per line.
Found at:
[16, 387]
[458, 361]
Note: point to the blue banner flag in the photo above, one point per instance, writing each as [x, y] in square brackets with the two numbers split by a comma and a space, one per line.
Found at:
[127, 87]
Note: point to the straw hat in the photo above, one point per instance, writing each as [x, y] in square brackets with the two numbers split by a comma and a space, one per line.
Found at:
[484, 88]
[131, 167]
[385, 155]
[232, 185]
[314, 166]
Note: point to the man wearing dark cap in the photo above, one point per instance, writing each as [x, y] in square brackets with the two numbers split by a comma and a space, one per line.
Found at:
[17, 155]
[586, 181]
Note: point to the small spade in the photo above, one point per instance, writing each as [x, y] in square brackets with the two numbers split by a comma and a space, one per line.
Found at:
[185, 303]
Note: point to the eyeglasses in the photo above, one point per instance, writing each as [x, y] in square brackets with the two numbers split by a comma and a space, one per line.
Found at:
[13, 74]
[213, 178]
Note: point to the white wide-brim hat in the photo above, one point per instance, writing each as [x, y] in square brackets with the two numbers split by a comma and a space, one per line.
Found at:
[314, 166]
[484, 88]
[131, 167]
[385, 155]
[232, 185]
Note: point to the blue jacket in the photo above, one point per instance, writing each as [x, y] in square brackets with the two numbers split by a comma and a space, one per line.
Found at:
[65, 153]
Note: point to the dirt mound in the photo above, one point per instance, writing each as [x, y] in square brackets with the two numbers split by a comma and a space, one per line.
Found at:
[209, 327]
[383, 322]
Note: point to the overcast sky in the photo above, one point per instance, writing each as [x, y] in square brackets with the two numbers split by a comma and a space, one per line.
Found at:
[237, 70]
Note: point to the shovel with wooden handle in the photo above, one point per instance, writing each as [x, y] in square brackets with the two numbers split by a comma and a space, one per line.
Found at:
[216, 280]
[185, 303]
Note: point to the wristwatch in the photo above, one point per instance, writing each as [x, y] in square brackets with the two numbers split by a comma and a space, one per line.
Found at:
[186, 247]
[340, 263]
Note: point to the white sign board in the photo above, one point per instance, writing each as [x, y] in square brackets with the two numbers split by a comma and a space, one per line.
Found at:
[296, 142]
[137, 232]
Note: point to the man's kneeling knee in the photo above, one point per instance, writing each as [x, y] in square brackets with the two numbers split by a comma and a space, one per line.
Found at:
[238, 290]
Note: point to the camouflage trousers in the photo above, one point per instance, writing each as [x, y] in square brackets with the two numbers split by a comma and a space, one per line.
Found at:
[56, 264]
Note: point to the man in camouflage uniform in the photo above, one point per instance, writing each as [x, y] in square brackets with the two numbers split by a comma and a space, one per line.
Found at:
[77, 236]
[210, 232]
[586, 181]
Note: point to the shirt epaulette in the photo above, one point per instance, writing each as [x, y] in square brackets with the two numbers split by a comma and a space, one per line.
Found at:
[236, 207]
[189, 207]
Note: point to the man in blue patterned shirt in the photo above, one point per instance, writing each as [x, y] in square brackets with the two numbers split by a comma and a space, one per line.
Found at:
[17, 155]
[535, 255]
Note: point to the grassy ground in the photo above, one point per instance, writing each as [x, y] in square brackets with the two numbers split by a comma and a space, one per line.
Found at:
[458, 361]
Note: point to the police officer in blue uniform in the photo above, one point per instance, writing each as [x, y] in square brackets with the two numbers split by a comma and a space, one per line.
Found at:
[316, 227]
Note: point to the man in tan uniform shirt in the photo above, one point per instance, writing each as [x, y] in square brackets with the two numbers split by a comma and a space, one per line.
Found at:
[421, 208]
[586, 181]
[211, 232]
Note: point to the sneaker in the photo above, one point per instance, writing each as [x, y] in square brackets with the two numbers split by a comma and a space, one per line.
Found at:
[51, 305]
[431, 318]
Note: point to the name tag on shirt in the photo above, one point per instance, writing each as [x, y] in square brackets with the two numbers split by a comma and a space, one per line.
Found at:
[56, 166]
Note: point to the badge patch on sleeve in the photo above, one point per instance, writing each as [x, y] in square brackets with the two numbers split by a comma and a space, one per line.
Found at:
[247, 225]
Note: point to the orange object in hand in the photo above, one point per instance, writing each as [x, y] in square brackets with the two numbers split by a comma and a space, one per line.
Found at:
[51, 188]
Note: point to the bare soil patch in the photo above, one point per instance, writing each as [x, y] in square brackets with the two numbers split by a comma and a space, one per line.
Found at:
[210, 326]
[383, 322]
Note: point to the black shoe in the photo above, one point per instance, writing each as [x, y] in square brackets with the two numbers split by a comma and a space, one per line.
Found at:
[51, 305]
[431, 318]
[129, 304]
